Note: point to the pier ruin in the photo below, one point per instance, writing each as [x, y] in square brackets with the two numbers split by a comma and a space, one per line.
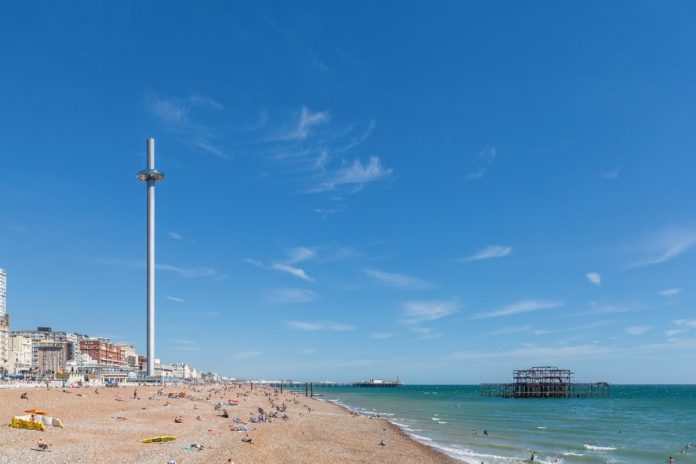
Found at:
[545, 382]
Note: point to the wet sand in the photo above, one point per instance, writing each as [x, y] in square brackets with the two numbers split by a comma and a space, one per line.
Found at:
[101, 428]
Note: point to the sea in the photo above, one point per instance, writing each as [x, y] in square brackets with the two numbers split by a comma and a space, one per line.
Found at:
[636, 424]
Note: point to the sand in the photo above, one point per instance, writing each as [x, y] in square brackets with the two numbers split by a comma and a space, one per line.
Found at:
[100, 428]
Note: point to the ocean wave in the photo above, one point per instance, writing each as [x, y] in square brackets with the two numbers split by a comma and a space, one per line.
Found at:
[572, 453]
[443, 422]
[599, 448]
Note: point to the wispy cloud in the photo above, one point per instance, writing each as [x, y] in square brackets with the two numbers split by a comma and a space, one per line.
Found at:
[183, 272]
[670, 292]
[188, 272]
[667, 245]
[315, 326]
[508, 330]
[179, 344]
[536, 354]
[314, 151]
[609, 174]
[354, 176]
[484, 158]
[425, 333]
[175, 236]
[381, 335]
[673, 332]
[291, 295]
[175, 299]
[490, 252]
[168, 110]
[691, 323]
[416, 312]
[299, 254]
[594, 278]
[200, 100]
[524, 306]
[176, 115]
[306, 351]
[241, 355]
[308, 120]
[637, 329]
[295, 255]
[398, 280]
[296, 271]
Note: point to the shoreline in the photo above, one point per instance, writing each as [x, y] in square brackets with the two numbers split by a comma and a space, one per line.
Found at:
[108, 425]
[397, 428]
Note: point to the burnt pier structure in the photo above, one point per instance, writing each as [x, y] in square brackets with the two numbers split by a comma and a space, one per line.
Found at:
[545, 382]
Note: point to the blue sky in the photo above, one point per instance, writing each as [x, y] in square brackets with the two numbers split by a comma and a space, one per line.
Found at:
[441, 191]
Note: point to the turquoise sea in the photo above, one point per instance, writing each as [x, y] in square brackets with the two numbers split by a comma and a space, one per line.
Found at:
[637, 424]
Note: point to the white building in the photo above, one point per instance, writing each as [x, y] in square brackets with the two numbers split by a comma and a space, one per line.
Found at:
[3, 292]
[20, 354]
[4, 324]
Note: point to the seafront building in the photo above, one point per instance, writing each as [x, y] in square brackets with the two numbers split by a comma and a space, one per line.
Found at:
[46, 354]
[21, 349]
[4, 324]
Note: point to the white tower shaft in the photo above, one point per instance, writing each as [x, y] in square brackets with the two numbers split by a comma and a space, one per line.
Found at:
[150, 261]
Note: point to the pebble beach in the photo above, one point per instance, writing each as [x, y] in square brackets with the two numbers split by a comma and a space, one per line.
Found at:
[108, 425]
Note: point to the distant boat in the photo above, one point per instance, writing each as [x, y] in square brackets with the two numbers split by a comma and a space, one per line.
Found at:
[379, 383]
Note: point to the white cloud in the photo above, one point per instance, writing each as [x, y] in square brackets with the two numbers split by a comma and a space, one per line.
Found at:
[492, 251]
[296, 271]
[670, 292]
[179, 344]
[381, 335]
[327, 326]
[536, 355]
[524, 306]
[292, 270]
[299, 254]
[200, 100]
[476, 174]
[594, 278]
[291, 295]
[190, 272]
[175, 116]
[673, 332]
[508, 330]
[637, 329]
[355, 176]
[168, 110]
[686, 322]
[306, 351]
[416, 312]
[398, 280]
[668, 245]
[425, 333]
[175, 299]
[175, 236]
[246, 354]
[609, 174]
[485, 157]
[307, 121]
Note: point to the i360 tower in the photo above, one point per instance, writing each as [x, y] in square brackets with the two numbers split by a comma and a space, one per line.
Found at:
[150, 176]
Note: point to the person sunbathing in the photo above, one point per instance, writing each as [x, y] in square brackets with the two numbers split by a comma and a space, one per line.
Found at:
[179, 419]
[24, 396]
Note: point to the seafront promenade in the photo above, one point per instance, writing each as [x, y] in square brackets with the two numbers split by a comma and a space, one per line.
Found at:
[108, 425]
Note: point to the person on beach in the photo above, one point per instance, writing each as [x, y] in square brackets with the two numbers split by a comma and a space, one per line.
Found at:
[24, 396]
[671, 460]
[135, 394]
[533, 457]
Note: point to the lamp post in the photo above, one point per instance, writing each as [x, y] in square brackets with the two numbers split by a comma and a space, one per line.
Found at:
[150, 176]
